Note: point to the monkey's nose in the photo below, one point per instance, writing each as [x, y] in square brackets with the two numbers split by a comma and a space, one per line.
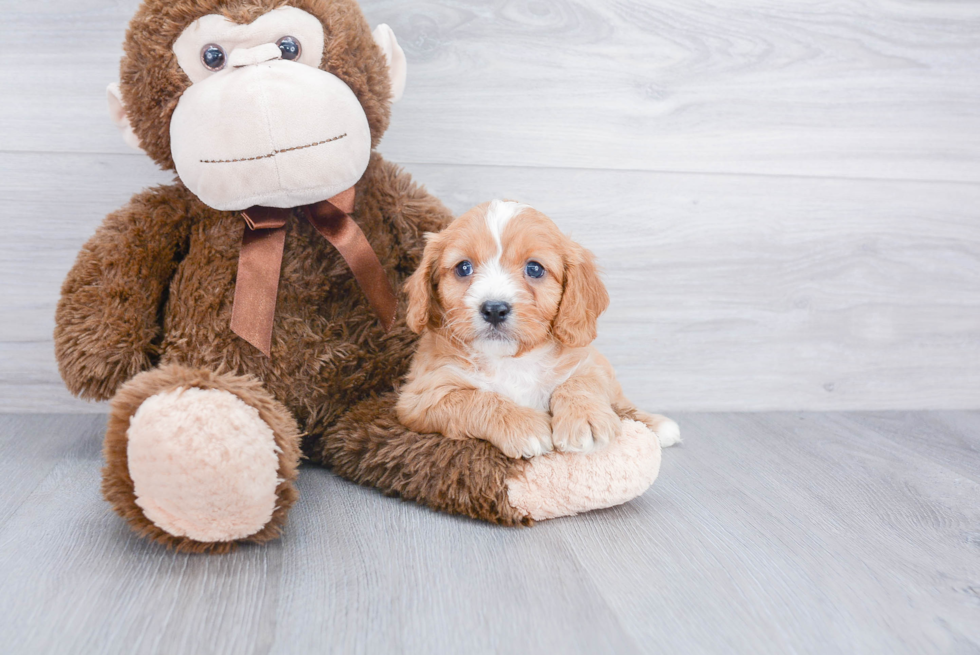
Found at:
[250, 56]
[495, 312]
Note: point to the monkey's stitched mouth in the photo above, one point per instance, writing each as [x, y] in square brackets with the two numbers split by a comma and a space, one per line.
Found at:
[273, 153]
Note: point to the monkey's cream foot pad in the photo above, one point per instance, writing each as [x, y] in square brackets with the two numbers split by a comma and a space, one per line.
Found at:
[204, 464]
[564, 485]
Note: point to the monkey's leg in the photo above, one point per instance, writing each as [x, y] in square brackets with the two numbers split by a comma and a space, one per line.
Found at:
[471, 477]
[199, 460]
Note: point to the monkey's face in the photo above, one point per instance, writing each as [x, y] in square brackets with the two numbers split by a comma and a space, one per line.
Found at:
[261, 122]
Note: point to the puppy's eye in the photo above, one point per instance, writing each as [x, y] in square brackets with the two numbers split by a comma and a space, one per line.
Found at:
[290, 48]
[213, 57]
[464, 269]
[534, 269]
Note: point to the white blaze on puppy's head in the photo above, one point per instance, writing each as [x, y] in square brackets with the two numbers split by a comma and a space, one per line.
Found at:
[494, 288]
[502, 279]
[499, 213]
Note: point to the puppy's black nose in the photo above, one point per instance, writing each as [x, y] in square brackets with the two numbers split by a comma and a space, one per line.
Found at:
[495, 312]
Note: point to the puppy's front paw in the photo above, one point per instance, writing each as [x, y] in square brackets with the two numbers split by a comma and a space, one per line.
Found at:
[582, 430]
[526, 433]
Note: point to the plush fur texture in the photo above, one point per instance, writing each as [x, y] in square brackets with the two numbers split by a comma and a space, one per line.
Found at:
[204, 464]
[553, 486]
[117, 483]
[155, 286]
[146, 308]
[156, 283]
[369, 445]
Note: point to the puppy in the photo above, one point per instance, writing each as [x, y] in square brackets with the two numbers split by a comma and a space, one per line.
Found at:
[507, 308]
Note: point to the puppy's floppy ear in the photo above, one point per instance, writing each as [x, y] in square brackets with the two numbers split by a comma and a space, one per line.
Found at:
[583, 298]
[420, 287]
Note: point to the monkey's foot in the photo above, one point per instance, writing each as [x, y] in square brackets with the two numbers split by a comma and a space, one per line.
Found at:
[564, 484]
[200, 460]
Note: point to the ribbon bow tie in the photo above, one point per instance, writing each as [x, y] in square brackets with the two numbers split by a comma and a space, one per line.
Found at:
[260, 262]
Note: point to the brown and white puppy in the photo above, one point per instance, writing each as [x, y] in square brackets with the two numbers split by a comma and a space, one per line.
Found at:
[507, 308]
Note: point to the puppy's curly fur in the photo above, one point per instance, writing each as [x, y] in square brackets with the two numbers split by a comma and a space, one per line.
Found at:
[523, 375]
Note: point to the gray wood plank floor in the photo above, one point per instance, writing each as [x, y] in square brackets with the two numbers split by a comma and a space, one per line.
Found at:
[766, 533]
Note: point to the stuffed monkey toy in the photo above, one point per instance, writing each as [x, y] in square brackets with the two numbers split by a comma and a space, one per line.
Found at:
[247, 313]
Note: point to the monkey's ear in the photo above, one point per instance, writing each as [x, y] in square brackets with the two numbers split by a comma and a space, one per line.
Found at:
[117, 111]
[397, 66]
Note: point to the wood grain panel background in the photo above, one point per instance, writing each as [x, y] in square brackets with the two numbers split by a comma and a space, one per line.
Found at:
[785, 195]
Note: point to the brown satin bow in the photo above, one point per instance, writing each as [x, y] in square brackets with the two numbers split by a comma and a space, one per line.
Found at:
[260, 262]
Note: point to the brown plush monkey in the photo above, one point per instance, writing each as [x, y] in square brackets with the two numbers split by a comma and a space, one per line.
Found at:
[275, 106]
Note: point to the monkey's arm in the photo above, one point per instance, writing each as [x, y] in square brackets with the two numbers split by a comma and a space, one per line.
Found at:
[108, 323]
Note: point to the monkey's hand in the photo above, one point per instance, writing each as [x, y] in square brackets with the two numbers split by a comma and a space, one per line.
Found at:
[107, 325]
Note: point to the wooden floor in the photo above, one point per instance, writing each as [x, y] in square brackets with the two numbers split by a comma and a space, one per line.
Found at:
[766, 533]
[784, 197]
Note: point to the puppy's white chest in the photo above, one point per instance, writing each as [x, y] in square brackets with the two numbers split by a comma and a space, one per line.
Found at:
[528, 380]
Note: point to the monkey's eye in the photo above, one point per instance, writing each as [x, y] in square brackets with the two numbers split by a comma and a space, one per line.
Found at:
[290, 48]
[213, 57]
[534, 269]
[464, 268]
